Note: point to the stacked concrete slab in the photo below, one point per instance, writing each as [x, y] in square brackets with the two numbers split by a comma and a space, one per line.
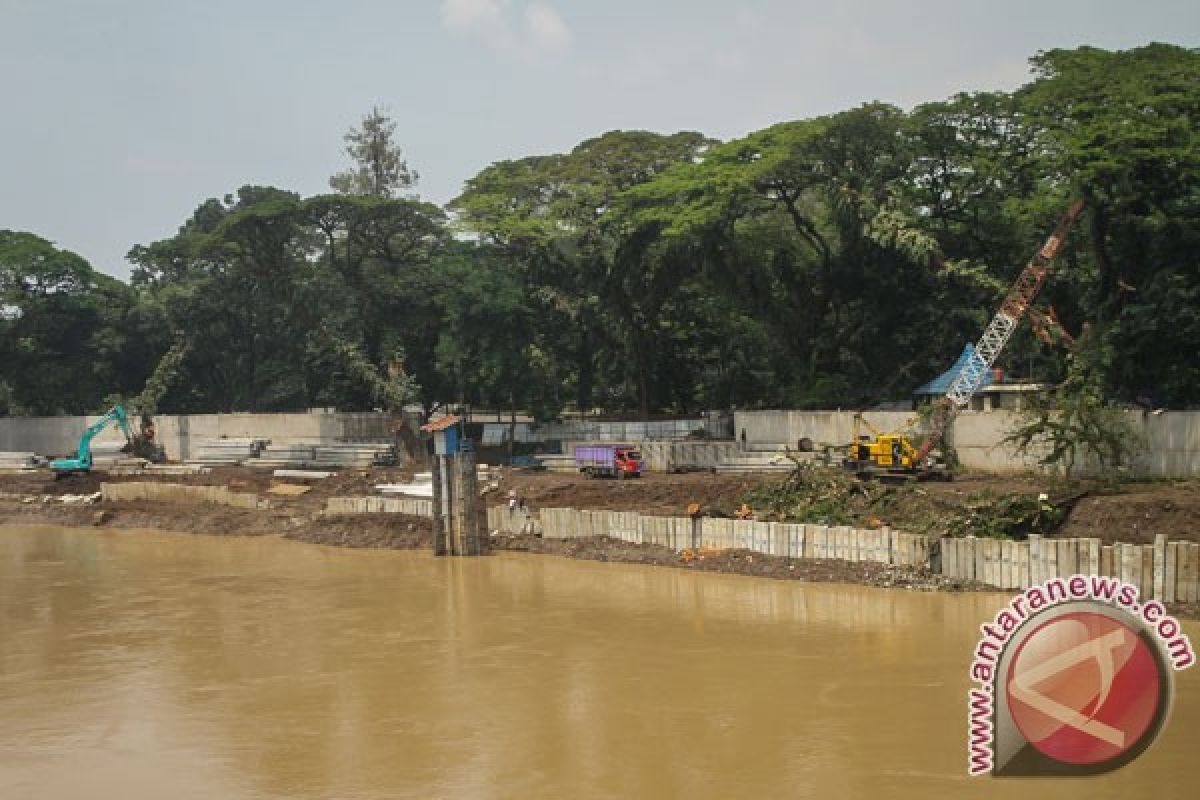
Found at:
[15, 460]
[110, 456]
[348, 455]
[686, 456]
[226, 452]
[763, 461]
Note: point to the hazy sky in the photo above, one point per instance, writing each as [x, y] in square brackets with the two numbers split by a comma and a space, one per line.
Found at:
[118, 117]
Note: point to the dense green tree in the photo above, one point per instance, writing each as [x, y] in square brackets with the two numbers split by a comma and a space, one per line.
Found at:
[65, 330]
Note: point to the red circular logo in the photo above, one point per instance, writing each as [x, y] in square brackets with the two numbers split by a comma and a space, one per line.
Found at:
[1084, 688]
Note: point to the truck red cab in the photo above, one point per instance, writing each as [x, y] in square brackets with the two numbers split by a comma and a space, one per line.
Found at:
[609, 461]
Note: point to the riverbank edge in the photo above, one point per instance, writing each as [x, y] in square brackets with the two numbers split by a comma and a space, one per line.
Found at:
[402, 532]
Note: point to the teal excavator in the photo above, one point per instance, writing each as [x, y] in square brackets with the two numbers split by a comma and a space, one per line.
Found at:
[82, 462]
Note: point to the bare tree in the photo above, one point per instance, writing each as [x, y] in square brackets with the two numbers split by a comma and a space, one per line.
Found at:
[379, 167]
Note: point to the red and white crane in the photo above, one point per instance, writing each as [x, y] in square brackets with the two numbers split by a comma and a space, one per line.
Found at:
[996, 335]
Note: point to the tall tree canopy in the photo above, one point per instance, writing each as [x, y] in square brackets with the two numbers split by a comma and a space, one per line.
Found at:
[834, 261]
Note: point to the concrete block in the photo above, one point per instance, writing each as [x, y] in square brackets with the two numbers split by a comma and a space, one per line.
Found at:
[1023, 579]
[820, 536]
[1127, 557]
[1008, 564]
[1187, 571]
[1147, 584]
[1049, 559]
[1158, 568]
[950, 558]
[798, 545]
[966, 557]
[1065, 565]
[995, 562]
[1035, 558]
[1191, 582]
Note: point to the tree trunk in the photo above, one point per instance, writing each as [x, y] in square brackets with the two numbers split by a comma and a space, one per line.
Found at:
[587, 371]
[512, 423]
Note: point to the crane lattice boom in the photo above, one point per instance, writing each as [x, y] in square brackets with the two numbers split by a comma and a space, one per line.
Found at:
[998, 331]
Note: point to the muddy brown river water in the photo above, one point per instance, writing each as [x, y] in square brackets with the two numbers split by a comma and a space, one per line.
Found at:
[152, 665]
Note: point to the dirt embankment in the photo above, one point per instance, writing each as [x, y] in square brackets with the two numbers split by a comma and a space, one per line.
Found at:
[972, 503]
[653, 493]
[734, 562]
[1133, 512]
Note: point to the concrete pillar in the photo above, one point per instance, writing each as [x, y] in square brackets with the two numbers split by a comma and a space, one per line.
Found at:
[1023, 574]
[456, 495]
[1147, 584]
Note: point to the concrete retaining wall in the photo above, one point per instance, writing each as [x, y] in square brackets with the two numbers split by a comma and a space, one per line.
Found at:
[1172, 438]
[177, 494]
[179, 434]
[678, 533]
[1164, 570]
[413, 506]
[1169, 571]
[677, 456]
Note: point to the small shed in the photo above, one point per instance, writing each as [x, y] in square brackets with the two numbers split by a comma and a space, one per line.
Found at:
[993, 392]
[447, 434]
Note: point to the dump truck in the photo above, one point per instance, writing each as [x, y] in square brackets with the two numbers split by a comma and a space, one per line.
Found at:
[618, 461]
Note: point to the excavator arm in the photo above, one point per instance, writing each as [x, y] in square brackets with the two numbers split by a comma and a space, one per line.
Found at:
[83, 456]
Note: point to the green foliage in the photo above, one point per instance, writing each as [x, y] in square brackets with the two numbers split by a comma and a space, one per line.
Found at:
[165, 373]
[1009, 516]
[1079, 421]
[812, 495]
[830, 262]
[64, 329]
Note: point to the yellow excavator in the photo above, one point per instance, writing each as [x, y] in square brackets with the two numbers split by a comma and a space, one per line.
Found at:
[892, 455]
[875, 454]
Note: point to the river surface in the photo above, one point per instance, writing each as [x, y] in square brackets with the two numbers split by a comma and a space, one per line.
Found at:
[152, 665]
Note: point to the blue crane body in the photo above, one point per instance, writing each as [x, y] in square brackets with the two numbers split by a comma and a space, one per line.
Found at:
[83, 457]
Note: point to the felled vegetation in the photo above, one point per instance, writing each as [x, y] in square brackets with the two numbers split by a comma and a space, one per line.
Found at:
[825, 496]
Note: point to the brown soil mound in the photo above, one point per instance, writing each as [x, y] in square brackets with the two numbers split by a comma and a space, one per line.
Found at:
[652, 493]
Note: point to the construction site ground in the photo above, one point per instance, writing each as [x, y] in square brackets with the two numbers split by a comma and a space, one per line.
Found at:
[1129, 512]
